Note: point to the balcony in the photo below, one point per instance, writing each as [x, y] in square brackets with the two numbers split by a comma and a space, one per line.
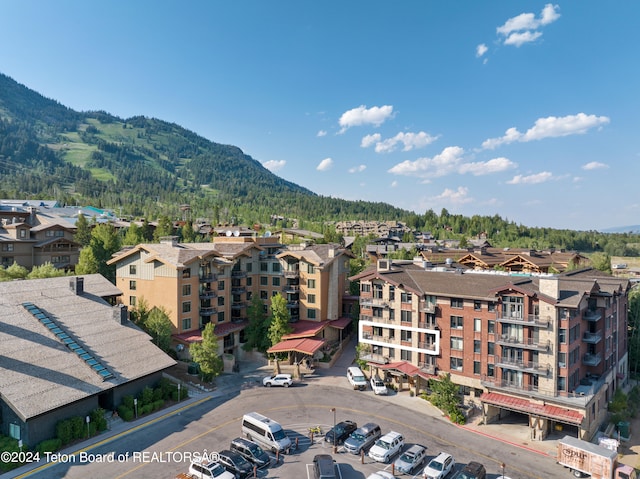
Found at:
[371, 302]
[208, 294]
[508, 385]
[592, 338]
[238, 289]
[427, 325]
[427, 307]
[592, 359]
[291, 273]
[375, 358]
[380, 319]
[236, 273]
[525, 343]
[293, 304]
[238, 305]
[525, 366]
[528, 320]
[592, 315]
[427, 368]
[208, 277]
[209, 311]
[291, 288]
[427, 346]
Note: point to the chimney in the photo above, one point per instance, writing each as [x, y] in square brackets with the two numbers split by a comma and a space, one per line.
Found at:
[76, 284]
[121, 314]
[332, 253]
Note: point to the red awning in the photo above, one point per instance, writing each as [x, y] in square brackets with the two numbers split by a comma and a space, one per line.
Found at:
[220, 330]
[405, 368]
[521, 405]
[340, 323]
[302, 345]
[305, 329]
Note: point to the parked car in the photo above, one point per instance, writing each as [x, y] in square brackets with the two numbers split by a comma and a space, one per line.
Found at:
[381, 475]
[209, 469]
[235, 464]
[386, 447]
[473, 470]
[324, 467]
[278, 380]
[439, 467]
[356, 378]
[340, 431]
[378, 386]
[362, 438]
[251, 451]
[411, 459]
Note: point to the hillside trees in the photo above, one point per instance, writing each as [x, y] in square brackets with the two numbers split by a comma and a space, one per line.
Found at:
[103, 244]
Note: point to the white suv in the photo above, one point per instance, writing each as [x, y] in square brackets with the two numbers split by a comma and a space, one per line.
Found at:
[209, 469]
[356, 378]
[386, 447]
[439, 467]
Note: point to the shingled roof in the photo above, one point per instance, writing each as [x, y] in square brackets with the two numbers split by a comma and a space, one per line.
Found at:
[38, 372]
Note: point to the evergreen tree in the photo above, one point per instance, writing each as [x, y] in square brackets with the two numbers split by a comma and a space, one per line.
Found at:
[83, 231]
[280, 316]
[601, 261]
[133, 236]
[46, 270]
[187, 233]
[205, 353]
[256, 332]
[164, 228]
[15, 271]
[93, 258]
[87, 262]
[159, 326]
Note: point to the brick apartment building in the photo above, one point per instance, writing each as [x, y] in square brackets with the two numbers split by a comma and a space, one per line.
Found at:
[550, 348]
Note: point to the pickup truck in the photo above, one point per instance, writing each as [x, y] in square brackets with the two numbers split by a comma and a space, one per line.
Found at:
[586, 459]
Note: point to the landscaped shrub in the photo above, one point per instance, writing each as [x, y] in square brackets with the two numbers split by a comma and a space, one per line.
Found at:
[157, 394]
[64, 431]
[128, 401]
[146, 409]
[97, 418]
[125, 413]
[77, 427]
[146, 397]
[49, 445]
[158, 404]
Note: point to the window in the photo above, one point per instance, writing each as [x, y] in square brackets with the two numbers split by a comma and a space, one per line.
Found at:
[220, 285]
[456, 343]
[456, 322]
[186, 307]
[405, 316]
[186, 290]
[264, 281]
[456, 364]
[7, 247]
[405, 297]
[249, 295]
[310, 268]
[562, 383]
[477, 325]
[249, 281]
[392, 293]
[133, 269]
[574, 333]
[311, 283]
[23, 233]
[491, 326]
[132, 285]
[562, 335]
[311, 298]
[476, 367]
[264, 294]
[133, 300]
[311, 313]
[477, 305]
[491, 348]
[186, 324]
[392, 314]
[221, 316]
[186, 273]
[477, 346]
[562, 360]
[220, 300]
[264, 267]
[491, 306]
[405, 355]
[491, 370]
[457, 303]
[377, 291]
[364, 287]
[275, 267]
[275, 281]
[249, 267]
[405, 335]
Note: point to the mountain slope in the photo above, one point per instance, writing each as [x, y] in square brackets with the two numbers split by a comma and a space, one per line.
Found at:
[144, 166]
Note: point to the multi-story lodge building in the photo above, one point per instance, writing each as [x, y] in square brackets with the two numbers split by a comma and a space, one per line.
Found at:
[198, 283]
[551, 348]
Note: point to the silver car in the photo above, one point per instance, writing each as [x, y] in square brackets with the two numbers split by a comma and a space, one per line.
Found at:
[411, 459]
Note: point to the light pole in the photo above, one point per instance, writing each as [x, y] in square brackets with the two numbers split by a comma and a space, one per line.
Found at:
[503, 466]
[333, 410]
[179, 397]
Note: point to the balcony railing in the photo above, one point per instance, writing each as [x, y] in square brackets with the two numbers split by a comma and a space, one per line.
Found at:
[375, 358]
[209, 311]
[427, 325]
[291, 288]
[592, 315]
[527, 343]
[592, 359]
[236, 273]
[502, 384]
[381, 320]
[238, 289]
[293, 304]
[427, 307]
[427, 346]
[291, 273]
[526, 366]
[238, 305]
[427, 368]
[370, 302]
[208, 294]
[527, 320]
[208, 277]
[592, 338]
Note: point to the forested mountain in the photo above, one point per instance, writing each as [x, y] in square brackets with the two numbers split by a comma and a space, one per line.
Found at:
[145, 167]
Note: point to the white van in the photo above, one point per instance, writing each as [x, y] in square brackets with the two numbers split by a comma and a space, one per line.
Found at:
[356, 378]
[261, 429]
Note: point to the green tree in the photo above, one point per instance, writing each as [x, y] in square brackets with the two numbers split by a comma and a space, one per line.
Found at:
[15, 271]
[87, 262]
[140, 313]
[205, 353]
[280, 316]
[133, 236]
[445, 396]
[187, 233]
[46, 270]
[634, 331]
[164, 228]
[104, 243]
[83, 231]
[159, 326]
[601, 261]
[256, 332]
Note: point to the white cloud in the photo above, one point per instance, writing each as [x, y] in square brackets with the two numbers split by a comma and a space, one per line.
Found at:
[523, 28]
[440, 165]
[321, 133]
[274, 165]
[594, 165]
[369, 140]
[531, 179]
[394, 183]
[362, 115]
[358, 169]
[408, 140]
[325, 164]
[549, 127]
[456, 197]
[480, 168]
[481, 50]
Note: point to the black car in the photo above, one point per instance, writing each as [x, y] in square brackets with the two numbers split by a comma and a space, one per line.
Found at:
[473, 470]
[342, 431]
[324, 467]
[235, 464]
[250, 451]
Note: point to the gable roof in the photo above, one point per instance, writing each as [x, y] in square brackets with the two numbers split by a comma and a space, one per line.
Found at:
[38, 372]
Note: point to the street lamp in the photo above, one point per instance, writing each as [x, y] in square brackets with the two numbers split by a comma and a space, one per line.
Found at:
[333, 410]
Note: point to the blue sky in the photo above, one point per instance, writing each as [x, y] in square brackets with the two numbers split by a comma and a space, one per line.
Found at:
[529, 110]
